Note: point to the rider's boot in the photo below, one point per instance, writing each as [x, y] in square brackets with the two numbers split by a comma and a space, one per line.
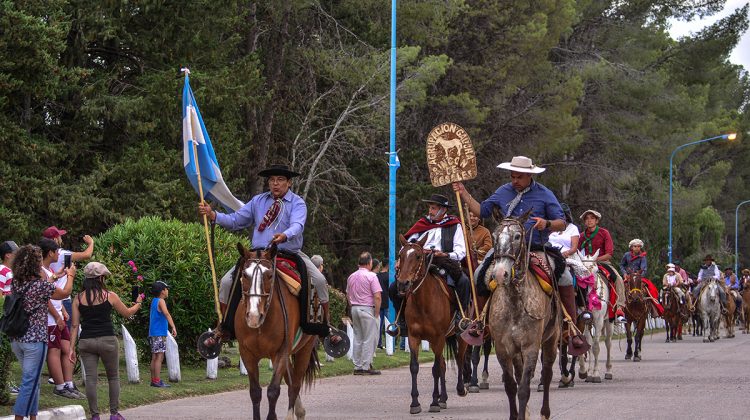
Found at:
[723, 301]
[463, 291]
[568, 300]
[335, 339]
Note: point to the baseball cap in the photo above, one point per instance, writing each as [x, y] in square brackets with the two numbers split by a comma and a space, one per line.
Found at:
[7, 247]
[53, 232]
[95, 269]
[158, 286]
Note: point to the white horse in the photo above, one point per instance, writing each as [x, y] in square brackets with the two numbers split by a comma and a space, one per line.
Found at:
[710, 310]
[599, 324]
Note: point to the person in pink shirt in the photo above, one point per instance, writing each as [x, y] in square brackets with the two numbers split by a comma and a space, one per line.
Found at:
[363, 293]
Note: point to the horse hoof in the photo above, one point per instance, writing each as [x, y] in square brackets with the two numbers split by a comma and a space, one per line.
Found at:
[608, 376]
[443, 405]
[540, 388]
[473, 389]
[484, 385]
[434, 409]
[596, 379]
[628, 356]
[637, 358]
[415, 410]
[462, 392]
[589, 379]
[706, 340]
[563, 385]
[582, 375]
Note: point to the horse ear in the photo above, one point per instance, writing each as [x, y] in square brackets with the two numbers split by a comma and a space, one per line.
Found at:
[402, 239]
[497, 215]
[422, 241]
[273, 250]
[524, 217]
[596, 255]
[241, 249]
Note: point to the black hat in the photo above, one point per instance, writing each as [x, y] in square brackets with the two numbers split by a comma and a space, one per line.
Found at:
[7, 247]
[282, 170]
[440, 200]
[157, 287]
[708, 257]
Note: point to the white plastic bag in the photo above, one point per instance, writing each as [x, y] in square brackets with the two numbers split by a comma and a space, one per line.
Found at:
[131, 357]
[173, 359]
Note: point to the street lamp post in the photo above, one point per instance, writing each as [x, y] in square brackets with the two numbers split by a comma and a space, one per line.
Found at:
[736, 234]
[730, 136]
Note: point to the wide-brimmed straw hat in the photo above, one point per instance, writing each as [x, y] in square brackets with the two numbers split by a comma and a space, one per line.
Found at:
[594, 212]
[281, 170]
[521, 164]
[440, 200]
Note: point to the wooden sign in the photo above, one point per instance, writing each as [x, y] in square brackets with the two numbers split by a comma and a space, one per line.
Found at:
[450, 155]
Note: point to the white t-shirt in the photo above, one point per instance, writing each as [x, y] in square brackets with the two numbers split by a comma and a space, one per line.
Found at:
[59, 283]
[561, 240]
[60, 264]
[671, 279]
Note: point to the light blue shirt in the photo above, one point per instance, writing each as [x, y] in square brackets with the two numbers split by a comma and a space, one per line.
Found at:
[290, 221]
[539, 199]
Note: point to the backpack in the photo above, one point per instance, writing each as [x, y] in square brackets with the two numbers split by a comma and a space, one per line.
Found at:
[15, 320]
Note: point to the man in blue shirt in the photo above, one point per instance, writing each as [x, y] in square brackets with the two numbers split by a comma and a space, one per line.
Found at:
[278, 216]
[517, 197]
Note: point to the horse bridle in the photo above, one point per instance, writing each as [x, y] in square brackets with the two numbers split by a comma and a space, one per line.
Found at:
[517, 271]
[258, 271]
[419, 282]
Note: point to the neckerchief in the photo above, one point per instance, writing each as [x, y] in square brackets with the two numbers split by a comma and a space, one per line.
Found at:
[423, 224]
[513, 203]
[633, 257]
[587, 240]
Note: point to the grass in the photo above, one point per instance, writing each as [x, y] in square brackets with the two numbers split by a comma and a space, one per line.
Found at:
[194, 381]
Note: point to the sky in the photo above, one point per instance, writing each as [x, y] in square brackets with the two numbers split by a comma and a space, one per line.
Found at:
[741, 53]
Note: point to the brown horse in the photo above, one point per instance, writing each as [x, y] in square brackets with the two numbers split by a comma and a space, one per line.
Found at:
[636, 313]
[673, 316]
[523, 318]
[266, 324]
[729, 318]
[427, 309]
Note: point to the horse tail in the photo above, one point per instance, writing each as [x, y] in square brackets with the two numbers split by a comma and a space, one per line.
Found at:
[451, 348]
[313, 369]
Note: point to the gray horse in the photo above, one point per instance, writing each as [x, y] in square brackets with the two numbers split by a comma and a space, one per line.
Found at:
[710, 310]
[522, 318]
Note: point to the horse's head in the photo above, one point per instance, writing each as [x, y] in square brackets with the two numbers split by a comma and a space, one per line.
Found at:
[257, 283]
[634, 284]
[412, 263]
[588, 261]
[510, 251]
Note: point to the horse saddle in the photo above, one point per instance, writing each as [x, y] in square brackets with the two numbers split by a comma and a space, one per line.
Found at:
[287, 271]
[542, 271]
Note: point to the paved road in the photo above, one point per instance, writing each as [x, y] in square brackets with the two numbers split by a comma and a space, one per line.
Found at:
[685, 380]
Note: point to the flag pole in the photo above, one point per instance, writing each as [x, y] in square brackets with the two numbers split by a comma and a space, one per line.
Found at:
[205, 226]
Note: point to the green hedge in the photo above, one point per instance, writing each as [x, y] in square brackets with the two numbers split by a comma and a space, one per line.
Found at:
[174, 252]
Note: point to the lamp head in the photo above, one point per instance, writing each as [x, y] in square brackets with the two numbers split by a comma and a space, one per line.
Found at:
[731, 136]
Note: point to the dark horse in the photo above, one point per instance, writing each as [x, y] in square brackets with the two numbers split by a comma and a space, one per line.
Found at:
[673, 315]
[636, 313]
[266, 323]
[523, 319]
[427, 309]
[471, 371]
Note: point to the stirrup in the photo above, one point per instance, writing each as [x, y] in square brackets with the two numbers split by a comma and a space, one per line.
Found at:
[462, 324]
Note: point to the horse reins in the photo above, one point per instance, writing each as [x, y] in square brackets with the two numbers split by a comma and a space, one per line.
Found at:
[258, 268]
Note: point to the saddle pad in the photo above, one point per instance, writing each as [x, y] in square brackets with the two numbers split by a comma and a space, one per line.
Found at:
[538, 263]
[542, 279]
[288, 267]
[291, 283]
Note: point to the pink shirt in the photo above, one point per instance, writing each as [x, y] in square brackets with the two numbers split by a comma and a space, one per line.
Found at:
[361, 287]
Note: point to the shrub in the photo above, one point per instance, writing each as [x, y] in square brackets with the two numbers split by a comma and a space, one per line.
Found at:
[173, 252]
[337, 306]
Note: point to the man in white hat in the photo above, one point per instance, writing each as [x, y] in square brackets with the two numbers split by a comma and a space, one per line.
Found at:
[673, 279]
[595, 238]
[517, 197]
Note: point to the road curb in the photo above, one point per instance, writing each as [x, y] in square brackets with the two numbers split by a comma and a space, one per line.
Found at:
[67, 412]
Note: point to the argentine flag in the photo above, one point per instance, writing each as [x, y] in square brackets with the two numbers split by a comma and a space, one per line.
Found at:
[194, 131]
